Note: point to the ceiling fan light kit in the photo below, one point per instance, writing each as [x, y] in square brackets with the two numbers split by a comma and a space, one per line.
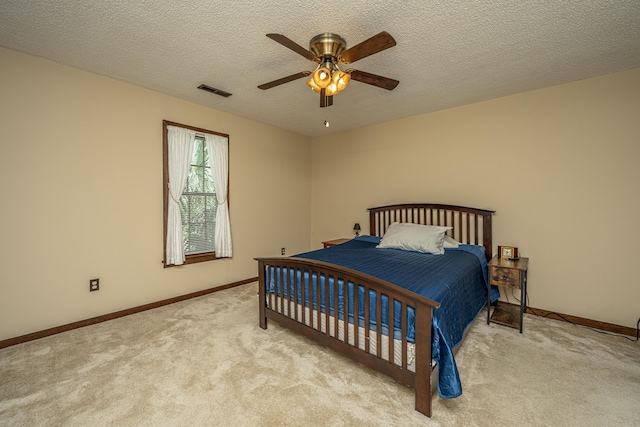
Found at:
[329, 50]
[328, 76]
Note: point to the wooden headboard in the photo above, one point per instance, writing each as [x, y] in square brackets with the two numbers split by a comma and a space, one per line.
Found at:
[470, 225]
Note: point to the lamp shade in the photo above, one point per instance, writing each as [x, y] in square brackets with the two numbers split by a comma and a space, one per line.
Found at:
[313, 85]
[322, 77]
[332, 89]
[341, 80]
[356, 227]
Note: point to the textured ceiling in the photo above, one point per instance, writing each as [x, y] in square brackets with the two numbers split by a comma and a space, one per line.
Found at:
[448, 53]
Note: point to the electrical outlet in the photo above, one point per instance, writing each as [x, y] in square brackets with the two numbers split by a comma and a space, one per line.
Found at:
[282, 251]
[94, 285]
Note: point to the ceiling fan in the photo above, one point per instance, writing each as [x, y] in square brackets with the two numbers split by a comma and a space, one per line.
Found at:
[330, 51]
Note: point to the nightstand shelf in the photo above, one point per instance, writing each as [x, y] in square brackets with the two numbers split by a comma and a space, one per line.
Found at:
[506, 314]
[508, 273]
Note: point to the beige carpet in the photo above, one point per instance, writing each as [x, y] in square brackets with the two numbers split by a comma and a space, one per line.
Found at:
[205, 362]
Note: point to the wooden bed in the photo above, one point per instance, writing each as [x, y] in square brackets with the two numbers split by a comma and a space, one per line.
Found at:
[362, 344]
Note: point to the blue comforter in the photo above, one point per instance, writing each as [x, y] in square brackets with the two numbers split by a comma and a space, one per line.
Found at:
[457, 280]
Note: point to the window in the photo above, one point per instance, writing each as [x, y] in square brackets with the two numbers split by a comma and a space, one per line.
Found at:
[198, 203]
[196, 214]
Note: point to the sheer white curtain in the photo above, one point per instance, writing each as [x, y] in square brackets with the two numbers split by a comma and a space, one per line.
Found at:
[218, 147]
[180, 147]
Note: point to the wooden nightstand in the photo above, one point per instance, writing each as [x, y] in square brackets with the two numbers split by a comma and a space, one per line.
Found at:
[508, 274]
[328, 243]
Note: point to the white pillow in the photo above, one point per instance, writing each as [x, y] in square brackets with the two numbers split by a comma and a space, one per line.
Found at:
[415, 237]
[450, 242]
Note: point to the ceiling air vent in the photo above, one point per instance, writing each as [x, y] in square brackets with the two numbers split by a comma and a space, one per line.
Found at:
[214, 90]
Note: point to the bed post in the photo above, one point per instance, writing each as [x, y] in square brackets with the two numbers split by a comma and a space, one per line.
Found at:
[372, 223]
[262, 298]
[486, 234]
[423, 359]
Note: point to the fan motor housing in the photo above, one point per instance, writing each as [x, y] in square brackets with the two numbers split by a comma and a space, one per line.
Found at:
[327, 45]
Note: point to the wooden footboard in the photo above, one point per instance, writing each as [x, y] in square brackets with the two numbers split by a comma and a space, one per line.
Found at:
[468, 226]
[302, 304]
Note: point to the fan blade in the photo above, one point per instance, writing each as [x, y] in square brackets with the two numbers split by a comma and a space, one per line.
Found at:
[325, 101]
[283, 80]
[287, 42]
[375, 44]
[373, 79]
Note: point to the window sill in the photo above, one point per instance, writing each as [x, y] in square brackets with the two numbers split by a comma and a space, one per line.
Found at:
[196, 258]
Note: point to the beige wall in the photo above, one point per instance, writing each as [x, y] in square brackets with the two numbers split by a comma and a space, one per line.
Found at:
[559, 165]
[81, 186]
[80, 176]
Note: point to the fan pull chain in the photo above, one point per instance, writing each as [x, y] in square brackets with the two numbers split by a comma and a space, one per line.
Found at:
[326, 120]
